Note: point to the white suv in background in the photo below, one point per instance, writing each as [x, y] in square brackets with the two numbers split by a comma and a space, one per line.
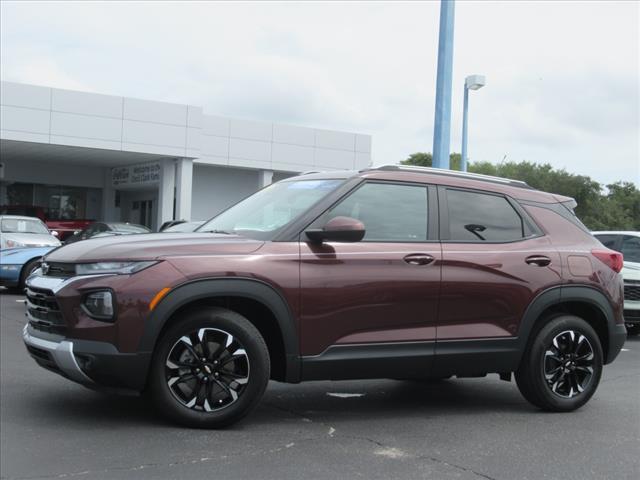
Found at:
[627, 243]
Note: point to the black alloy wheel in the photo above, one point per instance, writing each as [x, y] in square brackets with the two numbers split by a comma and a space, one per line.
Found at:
[568, 364]
[207, 369]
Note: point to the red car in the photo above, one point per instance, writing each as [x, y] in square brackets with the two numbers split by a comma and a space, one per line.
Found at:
[63, 228]
[390, 272]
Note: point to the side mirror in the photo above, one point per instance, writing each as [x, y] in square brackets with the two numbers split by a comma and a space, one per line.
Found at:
[338, 229]
[54, 233]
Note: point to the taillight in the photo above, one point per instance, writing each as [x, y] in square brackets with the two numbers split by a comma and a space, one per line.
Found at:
[611, 258]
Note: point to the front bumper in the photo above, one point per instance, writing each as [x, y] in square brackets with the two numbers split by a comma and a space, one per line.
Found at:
[631, 312]
[56, 356]
[61, 338]
[96, 365]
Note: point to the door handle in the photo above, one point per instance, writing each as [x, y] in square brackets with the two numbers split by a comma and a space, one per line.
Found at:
[418, 259]
[538, 260]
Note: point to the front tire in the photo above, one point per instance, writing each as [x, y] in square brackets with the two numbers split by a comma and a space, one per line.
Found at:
[562, 366]
[210, 369]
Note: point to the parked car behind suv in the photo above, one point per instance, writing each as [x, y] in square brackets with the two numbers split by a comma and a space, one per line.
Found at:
[105, 229]
[627, 243]
[391, 272]
[21, 232]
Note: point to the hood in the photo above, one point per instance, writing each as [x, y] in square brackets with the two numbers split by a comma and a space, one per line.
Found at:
[31, 239]
[151, 246]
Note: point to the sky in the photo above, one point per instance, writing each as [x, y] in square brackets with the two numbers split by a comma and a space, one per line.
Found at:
[563, 78]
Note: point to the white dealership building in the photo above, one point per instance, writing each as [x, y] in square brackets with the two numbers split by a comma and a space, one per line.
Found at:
[78, 155]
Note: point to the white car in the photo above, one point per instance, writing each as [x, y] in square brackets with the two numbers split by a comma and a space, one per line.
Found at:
[627, 243]
[20, 232]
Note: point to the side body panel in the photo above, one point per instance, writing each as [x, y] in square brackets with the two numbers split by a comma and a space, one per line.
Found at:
[486, 288]
[366, 293]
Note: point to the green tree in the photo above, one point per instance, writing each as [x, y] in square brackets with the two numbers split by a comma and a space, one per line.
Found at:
[422, 159]
[617, 209]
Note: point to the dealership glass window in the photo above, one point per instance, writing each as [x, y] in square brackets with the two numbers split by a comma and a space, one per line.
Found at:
[479, 217]
[20, 194]
[54, 202]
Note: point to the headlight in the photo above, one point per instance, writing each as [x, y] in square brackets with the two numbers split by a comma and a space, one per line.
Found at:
[120, 268]
[99, 304]
[14, 244]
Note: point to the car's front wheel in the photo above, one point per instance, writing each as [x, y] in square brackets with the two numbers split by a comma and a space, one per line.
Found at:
[210, 369]
[562, 366]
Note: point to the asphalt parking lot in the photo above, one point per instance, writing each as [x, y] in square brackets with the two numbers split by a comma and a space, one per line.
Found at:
[457, 429]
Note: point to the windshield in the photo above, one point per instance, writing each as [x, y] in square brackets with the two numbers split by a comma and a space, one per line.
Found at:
[271, 208]
[22, 225]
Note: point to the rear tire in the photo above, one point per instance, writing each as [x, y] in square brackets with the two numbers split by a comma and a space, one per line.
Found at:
[562, 366]
[210, 369]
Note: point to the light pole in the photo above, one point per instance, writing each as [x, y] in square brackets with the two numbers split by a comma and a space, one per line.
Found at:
[442, 123]
[472, 82]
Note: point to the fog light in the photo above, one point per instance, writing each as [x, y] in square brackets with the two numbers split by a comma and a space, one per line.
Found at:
[99, 305]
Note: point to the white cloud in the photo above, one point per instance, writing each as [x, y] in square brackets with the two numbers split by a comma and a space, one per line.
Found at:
[563, 77]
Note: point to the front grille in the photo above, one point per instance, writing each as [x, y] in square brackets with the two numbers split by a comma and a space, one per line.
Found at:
[60, 270]
[632, 292]
[631, 315]
[43, 311]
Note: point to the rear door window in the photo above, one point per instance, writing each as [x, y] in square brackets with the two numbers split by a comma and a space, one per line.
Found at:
[482, 217]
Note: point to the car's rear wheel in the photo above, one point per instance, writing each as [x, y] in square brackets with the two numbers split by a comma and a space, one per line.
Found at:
[209, 370]
[562, 365]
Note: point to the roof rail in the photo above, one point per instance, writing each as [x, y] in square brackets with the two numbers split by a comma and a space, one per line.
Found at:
[451, 173]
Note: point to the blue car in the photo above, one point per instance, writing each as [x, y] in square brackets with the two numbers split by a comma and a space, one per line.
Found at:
[16, 264]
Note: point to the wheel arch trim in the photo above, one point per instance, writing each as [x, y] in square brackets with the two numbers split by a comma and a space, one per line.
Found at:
[202, 289]
[561, 294]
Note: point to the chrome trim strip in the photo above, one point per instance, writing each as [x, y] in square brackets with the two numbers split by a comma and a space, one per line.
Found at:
[62, 354]
[55, 284]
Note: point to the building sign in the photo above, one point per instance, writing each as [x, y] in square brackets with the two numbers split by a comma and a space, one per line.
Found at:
[135, 175]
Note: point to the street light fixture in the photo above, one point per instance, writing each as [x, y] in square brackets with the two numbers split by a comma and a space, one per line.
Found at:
[472, 82]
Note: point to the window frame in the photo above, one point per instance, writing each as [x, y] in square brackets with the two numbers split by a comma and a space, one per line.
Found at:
[432, 210]
[445, 233]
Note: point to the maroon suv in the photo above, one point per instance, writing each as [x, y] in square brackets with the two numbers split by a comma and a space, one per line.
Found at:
[391, 272]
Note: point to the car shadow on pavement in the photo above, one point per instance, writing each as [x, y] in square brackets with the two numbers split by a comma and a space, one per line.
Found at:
[310, 402]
